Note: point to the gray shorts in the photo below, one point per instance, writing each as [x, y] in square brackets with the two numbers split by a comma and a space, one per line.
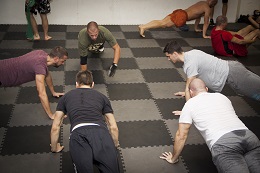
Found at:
[243, 81]
[237, 151]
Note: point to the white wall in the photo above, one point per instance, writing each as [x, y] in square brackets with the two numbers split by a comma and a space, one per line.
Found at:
[122, 12]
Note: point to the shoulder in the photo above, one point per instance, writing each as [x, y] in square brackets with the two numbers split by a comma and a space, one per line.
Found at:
[37, 55]
[38, 52]
[193, 52]
[102, 28]
[82, 32]
[202, 4]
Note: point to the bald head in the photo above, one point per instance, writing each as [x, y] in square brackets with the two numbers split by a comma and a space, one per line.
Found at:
[196, 86]
[92, 30]
[221, 20]
[92, 26]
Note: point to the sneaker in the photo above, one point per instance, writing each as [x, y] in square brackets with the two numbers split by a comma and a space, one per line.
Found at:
[185, 27]
[211, 23]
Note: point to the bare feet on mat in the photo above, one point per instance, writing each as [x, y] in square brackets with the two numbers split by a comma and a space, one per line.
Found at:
[47, 38]
[36, 37]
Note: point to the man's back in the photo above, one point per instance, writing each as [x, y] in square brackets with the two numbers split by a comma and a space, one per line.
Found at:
[85, 105]
[212, 70]
[212, 114]
[198, 10]
[16, 71]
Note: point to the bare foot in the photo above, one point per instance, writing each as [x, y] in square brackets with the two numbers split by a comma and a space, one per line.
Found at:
[36, 37]
[47, 38]
[29, 39]
[198, 30]
[141, 31]
[52, 117]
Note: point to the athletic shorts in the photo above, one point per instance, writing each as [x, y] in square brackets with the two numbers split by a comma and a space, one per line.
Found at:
[42, 6]
[179, 17]
[239, 49]
[224, 1]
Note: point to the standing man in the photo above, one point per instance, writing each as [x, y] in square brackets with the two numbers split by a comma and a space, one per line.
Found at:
[179, 17]
[213, 71]
[224, 11]
[94, 132]
[92, 39]
[234, 148]
[33, 66]
[229, 43]
[43, 7]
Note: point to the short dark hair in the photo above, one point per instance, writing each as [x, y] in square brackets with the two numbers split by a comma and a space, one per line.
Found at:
[221, 20]
[172, 46]
[58, 51]
[84, 78]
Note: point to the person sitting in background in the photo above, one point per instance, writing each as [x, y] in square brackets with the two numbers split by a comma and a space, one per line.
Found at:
[229, 43]
[255, 19]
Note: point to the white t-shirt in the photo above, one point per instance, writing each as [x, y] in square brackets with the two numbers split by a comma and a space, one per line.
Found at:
[212, 70]
[212, 114]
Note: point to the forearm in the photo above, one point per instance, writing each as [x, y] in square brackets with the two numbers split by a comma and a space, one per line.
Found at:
[187, 94]
[45, 103]
[116, 54]
[244, 42]
[178, 146]
[114, 133]
[253, 22]
[54, 138]
[49, 83]
[204, 30]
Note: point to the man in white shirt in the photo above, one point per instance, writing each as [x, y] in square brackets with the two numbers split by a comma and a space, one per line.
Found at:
[234, 148]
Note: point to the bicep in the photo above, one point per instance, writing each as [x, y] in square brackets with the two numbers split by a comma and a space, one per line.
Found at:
[188, 81]
[184, 129]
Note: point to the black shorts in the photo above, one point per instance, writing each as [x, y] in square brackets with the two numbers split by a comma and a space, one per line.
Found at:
[42, 6]
[224, 1]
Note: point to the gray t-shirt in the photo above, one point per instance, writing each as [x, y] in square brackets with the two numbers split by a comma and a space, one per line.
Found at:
[212, 70]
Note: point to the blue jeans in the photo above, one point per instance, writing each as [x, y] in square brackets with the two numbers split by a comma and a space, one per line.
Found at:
[237, 151]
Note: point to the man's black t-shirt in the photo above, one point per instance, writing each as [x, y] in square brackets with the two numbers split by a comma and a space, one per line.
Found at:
[85, 105]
